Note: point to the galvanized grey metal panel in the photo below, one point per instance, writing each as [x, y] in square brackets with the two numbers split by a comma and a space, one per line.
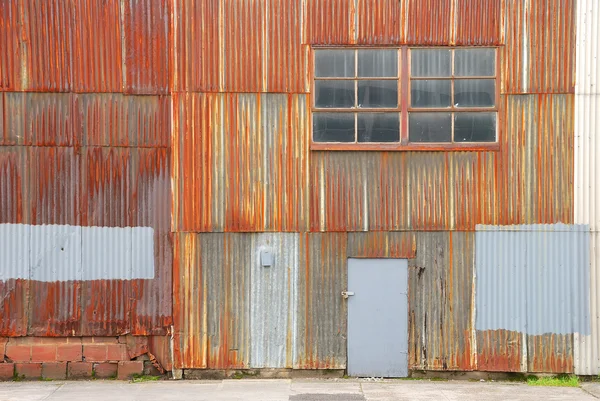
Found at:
[142, 252]
[14, 251]
[378, 317]
[273, 301]
[55, 253]
[533, 278]
[106, 253]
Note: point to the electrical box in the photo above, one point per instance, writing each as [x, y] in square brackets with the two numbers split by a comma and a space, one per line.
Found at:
[266, 258]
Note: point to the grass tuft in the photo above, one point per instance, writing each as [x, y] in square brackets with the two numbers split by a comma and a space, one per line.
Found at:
[143, 378]
[555, 381]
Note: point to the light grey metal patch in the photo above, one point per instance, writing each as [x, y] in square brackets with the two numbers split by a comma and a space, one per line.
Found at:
[533, 278]
[53, 253]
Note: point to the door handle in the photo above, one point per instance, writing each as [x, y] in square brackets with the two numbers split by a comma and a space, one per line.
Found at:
[347, 294]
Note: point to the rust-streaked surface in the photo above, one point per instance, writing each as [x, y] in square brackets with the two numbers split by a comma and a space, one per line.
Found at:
[501, 351]
[430, 22]
[330, 22]
[550, 353]
[478, 22]
[241, 162]
[440, 302]
[380, 22]
[11, 55]
[381, 244]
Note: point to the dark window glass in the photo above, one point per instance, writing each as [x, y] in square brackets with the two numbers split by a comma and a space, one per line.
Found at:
[474, 92]
[378, 127]
[474, 63]
[377, 63]
[378, 93]
[430, 127]
[333, 127]
[430, 63]
[475, 127]
[430, 93]
[334, 94]
[334, 63]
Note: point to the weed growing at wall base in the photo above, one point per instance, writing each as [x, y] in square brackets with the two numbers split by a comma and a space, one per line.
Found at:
[555, 381]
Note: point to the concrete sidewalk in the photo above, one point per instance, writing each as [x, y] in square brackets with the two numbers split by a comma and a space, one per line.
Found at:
[291, 390]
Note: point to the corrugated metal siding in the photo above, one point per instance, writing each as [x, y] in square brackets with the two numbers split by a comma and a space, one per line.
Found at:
[14, 119]
[322, 312]
[258, 147]
[540, 39]
[431, 22]
[97, 50]
[49, 119]
[330, 22]
[380, 22]
[14, 185]
[10, 43]
[478, 22]
[587, 129]
[381, 244]
[521, 275]
[501, 351]
[440, 302]
[146, 43]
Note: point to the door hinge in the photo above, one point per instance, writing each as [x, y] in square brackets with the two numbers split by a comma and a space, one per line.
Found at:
[347, 294]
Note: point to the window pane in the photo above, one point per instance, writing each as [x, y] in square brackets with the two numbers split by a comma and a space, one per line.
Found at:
[475, 62]
[333, 127]
[378, 63]
[334, 63]
[378, 127]
[334, 94]
[430, 127]
[475, 127]
[474, 92]
[430, 93]
[430, 63]
[378, 93]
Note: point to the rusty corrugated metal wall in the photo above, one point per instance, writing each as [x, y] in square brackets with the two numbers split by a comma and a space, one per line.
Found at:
[193, 117]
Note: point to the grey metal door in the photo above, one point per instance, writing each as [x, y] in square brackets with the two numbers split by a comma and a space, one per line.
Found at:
[377, 317]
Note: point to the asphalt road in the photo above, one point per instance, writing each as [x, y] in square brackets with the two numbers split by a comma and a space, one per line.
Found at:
[292, 390]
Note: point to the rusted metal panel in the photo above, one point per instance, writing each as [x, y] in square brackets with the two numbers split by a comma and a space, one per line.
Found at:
[97, 51]
[119, 120]
[322, 312]
[381, 22]
[49, 119]
[382, 244]
[431, 22]
[330, 22]
[257, 150]
[47, 35]
[14, 295]
[151, 310]
[539, 56]
[360, 191]
[14, 119]
[533, 182]
[197, 45]
[501, 351]
[550, 353]
[146, 42]
[441, 309]
[14, 185]
[11, 56]
[478, 22]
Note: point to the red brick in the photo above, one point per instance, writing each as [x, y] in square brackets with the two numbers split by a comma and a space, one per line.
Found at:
[7, 371]
[43, 353]
[105, 370]
[54, 370]
[105, 340]
[94, 352]
[79, 370]
[29, 370]
[130, 368]
[69, 353]
[116, 352]
[18, 353]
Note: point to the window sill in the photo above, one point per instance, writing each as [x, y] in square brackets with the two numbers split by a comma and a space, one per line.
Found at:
[412, 147]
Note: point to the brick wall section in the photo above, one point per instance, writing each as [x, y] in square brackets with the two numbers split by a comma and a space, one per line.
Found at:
[80, 357]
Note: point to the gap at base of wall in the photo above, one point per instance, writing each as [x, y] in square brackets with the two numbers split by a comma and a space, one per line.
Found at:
[220, 374]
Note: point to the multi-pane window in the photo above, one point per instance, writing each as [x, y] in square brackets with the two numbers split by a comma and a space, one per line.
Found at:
[405, 97]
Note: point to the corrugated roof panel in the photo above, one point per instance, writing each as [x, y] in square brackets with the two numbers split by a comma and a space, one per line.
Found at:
[47, 33]
[381, 22]
[330, 22]
[441, 332]
[11, 57]
[97, 51]
[14, 185]
[322, 312]
[478, 22]
[197, 45]
[431, 22]
[146, 41]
